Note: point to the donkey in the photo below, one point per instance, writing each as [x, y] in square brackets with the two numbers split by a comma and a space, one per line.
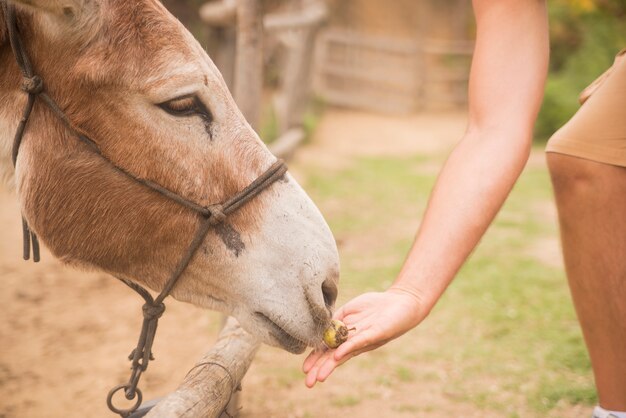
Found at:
[129, 76]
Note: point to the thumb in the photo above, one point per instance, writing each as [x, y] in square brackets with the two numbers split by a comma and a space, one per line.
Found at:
[357, 342]
[341, 313]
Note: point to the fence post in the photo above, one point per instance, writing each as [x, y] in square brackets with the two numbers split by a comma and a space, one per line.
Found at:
[249, 61]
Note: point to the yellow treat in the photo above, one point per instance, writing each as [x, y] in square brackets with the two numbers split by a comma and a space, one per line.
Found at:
[336, 334]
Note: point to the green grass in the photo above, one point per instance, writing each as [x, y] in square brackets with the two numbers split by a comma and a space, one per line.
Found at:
[405, 374]
[345, 401]
[506, 324]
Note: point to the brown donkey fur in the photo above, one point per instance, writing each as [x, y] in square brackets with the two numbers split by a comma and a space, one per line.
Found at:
[84, 211]
[121, 71]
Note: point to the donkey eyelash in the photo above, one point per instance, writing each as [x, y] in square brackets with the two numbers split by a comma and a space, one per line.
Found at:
[186, 106]
[183, 106]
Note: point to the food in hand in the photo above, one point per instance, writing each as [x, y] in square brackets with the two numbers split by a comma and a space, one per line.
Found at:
[336, 334]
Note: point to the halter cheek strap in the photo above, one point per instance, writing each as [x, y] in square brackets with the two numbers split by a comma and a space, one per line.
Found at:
[154, 308]
[33, 86]
[209, 216]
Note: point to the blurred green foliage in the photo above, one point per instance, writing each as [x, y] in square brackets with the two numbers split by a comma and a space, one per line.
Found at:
[585, 35]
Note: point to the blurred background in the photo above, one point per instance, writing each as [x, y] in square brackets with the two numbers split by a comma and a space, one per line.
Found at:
[414, 55]
[366, 98]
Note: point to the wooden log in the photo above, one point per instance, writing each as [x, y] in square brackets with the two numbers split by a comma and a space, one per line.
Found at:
[210, 385]
[224, 13]
[446, 47]
[249, 67]
[296, 30]
[313, 14]
[219, 14]
[293, 97]
[287, 143]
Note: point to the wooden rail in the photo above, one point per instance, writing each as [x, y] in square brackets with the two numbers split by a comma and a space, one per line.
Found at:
[210, 386]
[292, 31]
[391, 75]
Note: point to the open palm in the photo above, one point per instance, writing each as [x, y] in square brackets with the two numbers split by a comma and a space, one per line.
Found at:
[377, 318]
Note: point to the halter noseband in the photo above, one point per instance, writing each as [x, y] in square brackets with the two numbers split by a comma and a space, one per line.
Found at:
[210, 216]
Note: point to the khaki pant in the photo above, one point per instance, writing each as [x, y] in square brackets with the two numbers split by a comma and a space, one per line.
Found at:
[597, 131]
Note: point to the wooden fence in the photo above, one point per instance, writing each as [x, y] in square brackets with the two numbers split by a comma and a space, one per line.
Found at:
[391, 75]
[293, 31]
[351, 69]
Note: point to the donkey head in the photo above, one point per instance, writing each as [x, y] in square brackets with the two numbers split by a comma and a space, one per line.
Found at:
[130, 77]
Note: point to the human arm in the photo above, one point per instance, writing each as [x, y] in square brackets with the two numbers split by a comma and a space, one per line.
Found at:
[505, 91]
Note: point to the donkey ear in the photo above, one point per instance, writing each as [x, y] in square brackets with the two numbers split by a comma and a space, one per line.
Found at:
[62, 17]
[68, 9]
[65, 8]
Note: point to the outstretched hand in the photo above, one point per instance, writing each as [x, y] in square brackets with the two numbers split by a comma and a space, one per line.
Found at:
[377, 318]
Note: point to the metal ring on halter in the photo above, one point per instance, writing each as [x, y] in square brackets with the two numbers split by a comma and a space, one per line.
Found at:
[124, 412]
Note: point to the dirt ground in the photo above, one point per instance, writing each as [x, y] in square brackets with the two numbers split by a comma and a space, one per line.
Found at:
[65, 334]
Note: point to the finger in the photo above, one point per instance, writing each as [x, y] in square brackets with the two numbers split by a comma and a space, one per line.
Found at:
[367, 347]
[311, 359]
[340, 313]
[356, 342]
[311, 376]
[330, 365]
[350, 308]
[310, 380]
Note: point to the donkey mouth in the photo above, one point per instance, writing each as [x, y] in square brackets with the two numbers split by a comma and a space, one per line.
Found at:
[286, 340]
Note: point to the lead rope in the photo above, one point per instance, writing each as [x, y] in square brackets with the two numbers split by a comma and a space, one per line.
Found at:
[211, 216]
[153, 309]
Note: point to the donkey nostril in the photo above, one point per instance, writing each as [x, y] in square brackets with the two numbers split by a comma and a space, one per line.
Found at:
[329, 290]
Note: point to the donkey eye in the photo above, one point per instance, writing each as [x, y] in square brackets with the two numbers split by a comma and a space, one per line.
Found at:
[184, 106]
